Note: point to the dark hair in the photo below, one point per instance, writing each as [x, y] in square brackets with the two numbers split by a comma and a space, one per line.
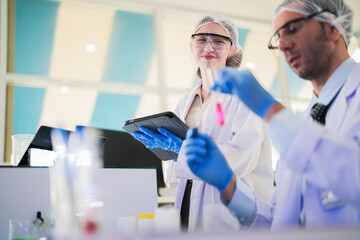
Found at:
[233, 61]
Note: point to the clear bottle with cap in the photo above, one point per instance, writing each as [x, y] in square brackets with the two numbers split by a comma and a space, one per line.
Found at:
[145, 223]
[126, 226]
[75, 192]
[88, 199]
[62, 191]
[167, 221]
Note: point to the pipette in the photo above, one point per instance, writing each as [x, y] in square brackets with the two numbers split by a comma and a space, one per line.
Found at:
[220, 117]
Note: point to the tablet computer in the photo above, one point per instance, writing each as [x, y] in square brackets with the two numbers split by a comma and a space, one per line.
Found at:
[167, 120]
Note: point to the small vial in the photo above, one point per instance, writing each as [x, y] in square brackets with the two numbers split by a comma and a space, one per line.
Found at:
[167, 221]
[146, 224]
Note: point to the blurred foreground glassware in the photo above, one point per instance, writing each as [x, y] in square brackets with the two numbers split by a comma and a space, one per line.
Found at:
[20, 142]
[28, 230]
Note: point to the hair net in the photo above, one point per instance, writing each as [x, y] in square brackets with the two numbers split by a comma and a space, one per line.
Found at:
[226, 24]
[340, 15]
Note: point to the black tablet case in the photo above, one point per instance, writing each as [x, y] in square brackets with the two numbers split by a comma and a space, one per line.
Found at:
[167, 120]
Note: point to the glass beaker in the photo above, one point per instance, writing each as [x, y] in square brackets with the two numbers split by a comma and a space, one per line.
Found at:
[29, 230]
[22, 230]
[20, 142]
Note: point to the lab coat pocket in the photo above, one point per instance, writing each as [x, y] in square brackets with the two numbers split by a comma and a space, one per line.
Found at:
[330, 201]
[218, 219]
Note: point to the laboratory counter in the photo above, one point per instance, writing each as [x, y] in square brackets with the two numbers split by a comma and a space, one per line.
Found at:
[318, 234]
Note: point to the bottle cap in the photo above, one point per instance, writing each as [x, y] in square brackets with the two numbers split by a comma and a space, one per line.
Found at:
[146, 215]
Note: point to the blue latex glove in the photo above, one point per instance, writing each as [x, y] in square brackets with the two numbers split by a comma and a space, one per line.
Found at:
[166, 140]
[205, 159]
[247, 88]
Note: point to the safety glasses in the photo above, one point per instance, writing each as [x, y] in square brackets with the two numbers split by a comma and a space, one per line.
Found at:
[218, 42]
[289, 30]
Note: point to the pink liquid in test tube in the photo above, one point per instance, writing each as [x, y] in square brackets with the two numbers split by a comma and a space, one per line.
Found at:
[220, 114]
[220, 117]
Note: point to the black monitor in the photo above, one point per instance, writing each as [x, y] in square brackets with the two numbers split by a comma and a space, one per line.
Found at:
[41, 140]
[120, 150]
[123, 150]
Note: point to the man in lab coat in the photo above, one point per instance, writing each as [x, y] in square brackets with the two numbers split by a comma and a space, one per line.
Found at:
[318, 174]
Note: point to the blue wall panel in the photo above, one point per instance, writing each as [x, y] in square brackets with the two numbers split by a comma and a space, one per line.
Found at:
[242, 36]
[274, 90]
[129, 58]
[294, 84]
[357, 35]
[27, 109]
[112, 110]
[131, 48]
[35, 23]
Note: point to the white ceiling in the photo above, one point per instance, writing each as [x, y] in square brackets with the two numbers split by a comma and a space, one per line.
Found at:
[258, 11]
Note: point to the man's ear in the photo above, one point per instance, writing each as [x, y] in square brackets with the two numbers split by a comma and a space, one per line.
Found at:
[334, 34]
[191, 49]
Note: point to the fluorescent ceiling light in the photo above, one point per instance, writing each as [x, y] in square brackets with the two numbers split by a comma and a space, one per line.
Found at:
[250, 65]
[90, 48]
[64, 90]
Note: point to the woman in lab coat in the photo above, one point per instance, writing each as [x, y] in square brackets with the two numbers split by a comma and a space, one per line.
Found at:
[241, 139]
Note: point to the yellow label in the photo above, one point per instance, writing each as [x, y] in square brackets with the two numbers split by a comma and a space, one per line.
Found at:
[146, 215]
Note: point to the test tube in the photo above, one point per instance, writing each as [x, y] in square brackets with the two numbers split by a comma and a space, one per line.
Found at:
[220, 117]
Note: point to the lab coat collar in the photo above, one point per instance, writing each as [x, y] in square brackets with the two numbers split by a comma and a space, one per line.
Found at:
[191, 95]
[340, 106]
[353, 80]
[334, 83]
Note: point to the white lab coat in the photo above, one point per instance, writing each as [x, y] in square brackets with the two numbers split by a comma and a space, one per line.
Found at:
[329, 158]
[242, 141]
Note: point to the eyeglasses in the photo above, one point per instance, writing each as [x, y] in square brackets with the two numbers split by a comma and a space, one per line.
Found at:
[290, 29]
[218, 42]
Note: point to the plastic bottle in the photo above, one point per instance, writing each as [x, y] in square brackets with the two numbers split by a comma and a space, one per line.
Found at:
[146, 225]
[167, 221]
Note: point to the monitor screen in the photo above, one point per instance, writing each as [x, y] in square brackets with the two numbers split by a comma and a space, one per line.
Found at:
[41, 140]
[123, 150]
